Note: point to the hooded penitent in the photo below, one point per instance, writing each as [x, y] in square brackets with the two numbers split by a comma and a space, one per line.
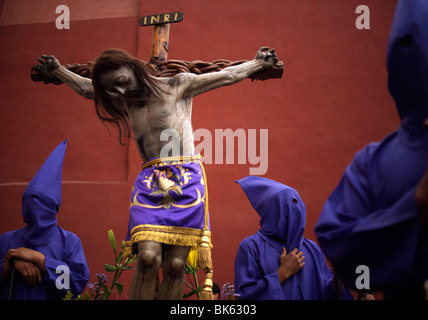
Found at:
[42, 198]
[282, 222]
[61, 248]
[282, 212]
[407, 62]
[371, 217]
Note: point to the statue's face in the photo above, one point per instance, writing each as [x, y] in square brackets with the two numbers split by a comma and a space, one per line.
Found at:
[120, 81]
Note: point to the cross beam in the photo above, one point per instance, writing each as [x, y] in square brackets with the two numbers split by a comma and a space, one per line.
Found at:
[160, 38]
[159, 56]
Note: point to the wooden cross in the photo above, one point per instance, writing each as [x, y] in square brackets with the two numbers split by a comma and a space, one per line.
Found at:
[160, 38]
[159, 63]
[159, 52]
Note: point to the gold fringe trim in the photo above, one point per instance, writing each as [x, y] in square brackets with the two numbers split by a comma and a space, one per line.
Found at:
[177, 236]
[172, 161]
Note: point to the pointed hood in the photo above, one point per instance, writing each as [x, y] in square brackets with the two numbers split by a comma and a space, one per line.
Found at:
[407, 62]
[282, 211]
[42, 198]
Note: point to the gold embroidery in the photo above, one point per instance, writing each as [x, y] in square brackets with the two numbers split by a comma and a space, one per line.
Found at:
[148, 181]
[135, 202]
[162, 182]
[195, 203]
[165, 186]
[184, 173]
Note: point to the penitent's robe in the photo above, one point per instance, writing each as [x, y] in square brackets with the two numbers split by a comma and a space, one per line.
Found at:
[371, 218]
[283, 218]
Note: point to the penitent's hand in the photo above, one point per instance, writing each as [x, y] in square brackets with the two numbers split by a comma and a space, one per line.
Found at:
[268, 57]
[48, 65]
[29, 271]
[289, 264]
[26, 254]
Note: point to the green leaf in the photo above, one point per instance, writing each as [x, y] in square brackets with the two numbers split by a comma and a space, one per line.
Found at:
[112, 240]
[119, 287]
[87, 296]
[188, 269]
[127, 268]
[109, 267]
[119, 257]
[189, 294]
[105, 292]
[131, 259]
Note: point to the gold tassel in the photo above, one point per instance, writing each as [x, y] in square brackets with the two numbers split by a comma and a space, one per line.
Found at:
[204, 258]
[207, 288]
[204, 252]
[205, 263]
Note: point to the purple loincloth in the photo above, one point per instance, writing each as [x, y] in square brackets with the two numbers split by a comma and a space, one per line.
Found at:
[169, 204]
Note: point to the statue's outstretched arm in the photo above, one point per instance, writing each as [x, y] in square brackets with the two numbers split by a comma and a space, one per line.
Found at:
[230, 75]
[50, 67]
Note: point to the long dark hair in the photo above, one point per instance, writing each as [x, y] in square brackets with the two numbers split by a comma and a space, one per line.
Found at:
[115, 113]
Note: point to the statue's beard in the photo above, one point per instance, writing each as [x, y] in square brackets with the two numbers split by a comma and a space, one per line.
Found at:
[134, 94]
[133, 97]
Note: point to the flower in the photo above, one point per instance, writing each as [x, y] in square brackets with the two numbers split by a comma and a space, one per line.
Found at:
[96, 290]
[193, 257]
[228, 292]
[102, 277]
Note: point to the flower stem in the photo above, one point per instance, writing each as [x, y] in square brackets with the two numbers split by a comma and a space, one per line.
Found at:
[196, 283]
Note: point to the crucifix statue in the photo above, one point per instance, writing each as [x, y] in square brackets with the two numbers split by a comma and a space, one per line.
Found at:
[168, 215]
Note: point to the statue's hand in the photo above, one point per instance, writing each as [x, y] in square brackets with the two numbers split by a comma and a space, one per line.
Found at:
[48, 66]
[268, 57]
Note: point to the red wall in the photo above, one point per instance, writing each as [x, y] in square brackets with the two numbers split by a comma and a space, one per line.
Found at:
[331, 101]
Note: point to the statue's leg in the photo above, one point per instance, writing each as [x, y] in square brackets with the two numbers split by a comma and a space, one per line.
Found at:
[173, 264]
[143, 285]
